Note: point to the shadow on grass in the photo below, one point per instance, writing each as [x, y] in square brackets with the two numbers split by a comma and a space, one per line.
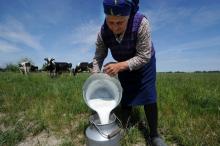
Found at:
[133, 119]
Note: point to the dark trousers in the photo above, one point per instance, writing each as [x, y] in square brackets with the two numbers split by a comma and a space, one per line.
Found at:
[151, 113]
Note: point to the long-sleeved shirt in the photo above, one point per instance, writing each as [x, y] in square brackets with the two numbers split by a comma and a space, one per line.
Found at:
[143, 48]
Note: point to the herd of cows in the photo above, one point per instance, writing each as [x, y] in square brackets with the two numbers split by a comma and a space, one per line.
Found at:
[55, 68]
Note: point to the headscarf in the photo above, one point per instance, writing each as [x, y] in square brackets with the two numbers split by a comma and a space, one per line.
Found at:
[120, 7]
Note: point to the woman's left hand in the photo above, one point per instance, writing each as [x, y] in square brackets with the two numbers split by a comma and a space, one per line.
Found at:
[113, 69]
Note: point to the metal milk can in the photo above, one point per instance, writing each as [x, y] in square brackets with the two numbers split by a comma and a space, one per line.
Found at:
[102, 86]
[103, 135]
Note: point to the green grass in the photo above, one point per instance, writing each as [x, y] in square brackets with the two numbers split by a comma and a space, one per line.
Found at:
[189, 109]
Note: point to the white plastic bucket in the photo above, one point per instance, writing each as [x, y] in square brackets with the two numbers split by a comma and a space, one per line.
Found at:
[102, 86]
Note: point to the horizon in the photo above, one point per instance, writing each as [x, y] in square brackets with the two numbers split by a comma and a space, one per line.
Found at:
[185, 33]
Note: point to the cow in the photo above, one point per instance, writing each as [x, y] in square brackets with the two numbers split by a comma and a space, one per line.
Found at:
[83, 67]
[24, 67]
[34, 68]
[2, 70]
[56, 67]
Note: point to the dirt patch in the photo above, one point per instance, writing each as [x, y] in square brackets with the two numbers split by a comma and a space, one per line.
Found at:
[2, 126]
[139, 144]
[75, 129]
[43, 138]
[2, 115]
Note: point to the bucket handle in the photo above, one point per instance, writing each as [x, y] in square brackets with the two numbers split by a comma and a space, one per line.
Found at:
[115, 132]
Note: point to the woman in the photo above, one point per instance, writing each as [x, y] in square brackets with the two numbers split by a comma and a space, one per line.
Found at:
[127, 34]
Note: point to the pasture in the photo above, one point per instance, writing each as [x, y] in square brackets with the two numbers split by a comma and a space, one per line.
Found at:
[39, 110]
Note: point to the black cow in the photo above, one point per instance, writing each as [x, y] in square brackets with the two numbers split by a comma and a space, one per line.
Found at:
[83, 67]
[2, 70]
[57, 67]
[34, 68]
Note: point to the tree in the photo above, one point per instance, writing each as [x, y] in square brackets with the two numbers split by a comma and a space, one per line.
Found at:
[11, 67]
[44, 67]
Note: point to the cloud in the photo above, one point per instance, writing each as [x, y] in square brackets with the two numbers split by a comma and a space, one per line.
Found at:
[43, 11]
[190, 56]
[86, 33]
[14, 32]
[194, 45]
[77, 45]
[193, 25]
[6, 47]
[206, 16]
[165, 17]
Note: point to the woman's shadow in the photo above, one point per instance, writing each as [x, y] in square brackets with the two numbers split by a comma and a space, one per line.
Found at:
[133, 119]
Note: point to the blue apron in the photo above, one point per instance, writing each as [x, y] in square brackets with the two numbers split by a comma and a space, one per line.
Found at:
[138, 85]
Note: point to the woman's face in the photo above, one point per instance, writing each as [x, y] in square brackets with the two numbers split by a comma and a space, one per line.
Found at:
[117, 24]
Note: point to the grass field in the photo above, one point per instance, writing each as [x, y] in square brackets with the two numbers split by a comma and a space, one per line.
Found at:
[39, 110]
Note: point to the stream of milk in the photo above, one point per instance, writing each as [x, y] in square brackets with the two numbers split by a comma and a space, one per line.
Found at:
[103, 108]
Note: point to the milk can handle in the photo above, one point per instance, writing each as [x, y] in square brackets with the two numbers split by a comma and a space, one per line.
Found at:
[117, 130]
[99, 130]
[114, 133]
[120, 124]
[111, 134]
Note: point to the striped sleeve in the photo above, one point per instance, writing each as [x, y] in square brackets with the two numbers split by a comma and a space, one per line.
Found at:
[143, 47]
[100, 54]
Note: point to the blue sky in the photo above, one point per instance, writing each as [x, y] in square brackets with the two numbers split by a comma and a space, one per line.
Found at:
[186, 34]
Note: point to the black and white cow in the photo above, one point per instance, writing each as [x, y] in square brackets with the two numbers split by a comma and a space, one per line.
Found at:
[83, 67]
[2, 70]
[57, 67]
[34, 68]
[24, 67]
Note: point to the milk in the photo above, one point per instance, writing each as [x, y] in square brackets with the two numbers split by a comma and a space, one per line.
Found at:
[103, 107]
